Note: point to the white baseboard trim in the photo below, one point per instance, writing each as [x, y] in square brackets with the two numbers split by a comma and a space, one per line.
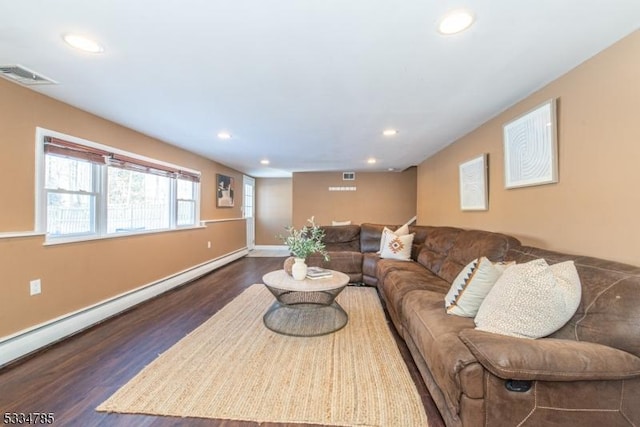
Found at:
[27, 341]
[271, 247]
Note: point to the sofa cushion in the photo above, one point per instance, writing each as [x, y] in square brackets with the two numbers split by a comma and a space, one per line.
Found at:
[435, 335]
[385, 266]
[370, 235]
[415, 278]
[421, 232]
[369, 264]
[344, 261]
[398, 283]
[341, 238]
[472, 285]
[472, 244]
[531, 300]
[436, 247]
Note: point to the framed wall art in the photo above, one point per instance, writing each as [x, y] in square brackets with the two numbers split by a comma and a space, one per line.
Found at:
[531, 149]
[473, 184]
[225, 192]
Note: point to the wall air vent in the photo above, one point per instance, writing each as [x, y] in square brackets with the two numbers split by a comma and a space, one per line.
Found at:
[348, 176]
[24, 76]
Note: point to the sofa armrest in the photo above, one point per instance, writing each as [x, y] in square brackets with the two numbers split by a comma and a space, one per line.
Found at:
[549, 359]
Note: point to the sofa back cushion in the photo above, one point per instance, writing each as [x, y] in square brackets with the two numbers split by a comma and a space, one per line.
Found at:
[341, 237]
[370, 235]
[471, 244]
[437, 244]
[609, 310]
[420, 233]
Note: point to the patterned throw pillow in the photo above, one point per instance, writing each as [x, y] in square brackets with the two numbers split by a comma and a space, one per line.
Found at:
[397, 247]
[472, 285]
[401, 231]
[531, 300]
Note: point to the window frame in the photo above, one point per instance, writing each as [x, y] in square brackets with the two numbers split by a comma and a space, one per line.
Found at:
[176, 200]
[96, 182]
[101, 192]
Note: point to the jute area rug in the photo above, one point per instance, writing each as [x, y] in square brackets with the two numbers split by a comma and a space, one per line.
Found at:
[232, 367]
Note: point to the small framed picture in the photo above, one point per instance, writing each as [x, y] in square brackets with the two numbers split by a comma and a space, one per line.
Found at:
[531, 149]
[473, 184]
[225, 193]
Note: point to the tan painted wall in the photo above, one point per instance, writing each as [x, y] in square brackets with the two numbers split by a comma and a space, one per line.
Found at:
[593, 210]
[80, 274]
[381, 197]
[273, 209]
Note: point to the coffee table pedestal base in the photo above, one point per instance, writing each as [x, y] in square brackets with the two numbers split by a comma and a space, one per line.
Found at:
[305, 308]
[305, 320]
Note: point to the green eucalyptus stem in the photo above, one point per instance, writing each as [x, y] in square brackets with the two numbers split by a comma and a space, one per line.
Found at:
[305, 241]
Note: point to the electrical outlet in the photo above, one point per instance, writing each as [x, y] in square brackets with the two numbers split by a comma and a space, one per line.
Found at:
[35, 287]
[209, 245]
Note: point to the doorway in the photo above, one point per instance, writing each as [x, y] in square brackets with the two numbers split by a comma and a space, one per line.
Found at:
[249, 210]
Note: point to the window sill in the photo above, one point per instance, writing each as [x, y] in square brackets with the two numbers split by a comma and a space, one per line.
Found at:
[18, 234]
[76, 239]
[207, 221]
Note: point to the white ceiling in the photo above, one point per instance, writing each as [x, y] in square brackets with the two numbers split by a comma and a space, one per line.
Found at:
[307, 84]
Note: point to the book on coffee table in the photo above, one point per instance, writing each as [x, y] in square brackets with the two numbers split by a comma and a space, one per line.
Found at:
[318, 273]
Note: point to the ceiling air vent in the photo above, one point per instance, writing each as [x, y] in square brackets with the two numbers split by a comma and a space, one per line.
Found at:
[23, 75]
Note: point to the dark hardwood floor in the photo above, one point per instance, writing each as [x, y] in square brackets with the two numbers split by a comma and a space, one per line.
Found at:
[73, 377]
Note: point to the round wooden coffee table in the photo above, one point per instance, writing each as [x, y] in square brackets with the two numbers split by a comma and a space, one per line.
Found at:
[305, 308]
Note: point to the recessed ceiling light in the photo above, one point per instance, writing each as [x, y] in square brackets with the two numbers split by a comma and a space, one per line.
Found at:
[264, 161]
[82, 43]
[389, 132]
[371, 160]
[455, 22]
[391, 169]
[224, 135]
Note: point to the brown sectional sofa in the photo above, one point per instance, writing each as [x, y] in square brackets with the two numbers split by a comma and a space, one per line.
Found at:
[587, 373]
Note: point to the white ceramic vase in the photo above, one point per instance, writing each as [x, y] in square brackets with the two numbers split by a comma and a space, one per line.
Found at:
[299, 269]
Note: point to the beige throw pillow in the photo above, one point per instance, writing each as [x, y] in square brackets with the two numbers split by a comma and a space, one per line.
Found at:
[531, 300]
[334, 223]
[472, 285]
[401, 231]
[397, 247]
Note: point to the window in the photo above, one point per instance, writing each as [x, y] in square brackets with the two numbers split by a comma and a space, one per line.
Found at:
[248, 201]
[71, 196]
[137, 201]
[90, 190]
[186, 207]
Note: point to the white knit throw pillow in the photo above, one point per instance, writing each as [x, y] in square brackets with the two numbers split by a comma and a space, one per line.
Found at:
[531, 300]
